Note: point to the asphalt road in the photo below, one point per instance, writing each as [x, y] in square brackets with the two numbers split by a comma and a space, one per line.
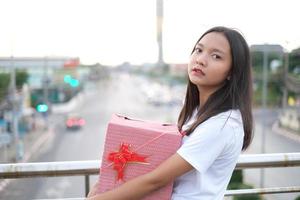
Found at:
[274, 143]
[119, 95]
[122, 95]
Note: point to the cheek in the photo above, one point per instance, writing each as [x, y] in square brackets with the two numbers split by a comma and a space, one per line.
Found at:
[222, 77]
[218, 75]
[223, 69]
[189, 66]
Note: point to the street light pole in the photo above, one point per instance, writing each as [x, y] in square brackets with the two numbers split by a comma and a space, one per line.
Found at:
[264, 107]
[46, 90]
[285, 73]
[159, 30]
[13, 100]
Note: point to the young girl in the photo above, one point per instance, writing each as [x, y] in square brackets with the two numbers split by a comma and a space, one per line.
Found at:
[216, 118]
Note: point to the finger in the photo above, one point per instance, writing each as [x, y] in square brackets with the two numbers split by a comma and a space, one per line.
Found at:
[94, 189]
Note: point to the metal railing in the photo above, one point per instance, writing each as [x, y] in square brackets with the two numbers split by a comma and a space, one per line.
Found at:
[87, 168]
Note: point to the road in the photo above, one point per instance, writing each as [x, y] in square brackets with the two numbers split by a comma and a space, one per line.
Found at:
[122, 95]
[274, 143]
[119, 95]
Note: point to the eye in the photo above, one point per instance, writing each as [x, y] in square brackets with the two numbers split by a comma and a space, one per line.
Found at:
[216, 56]
[197, 50]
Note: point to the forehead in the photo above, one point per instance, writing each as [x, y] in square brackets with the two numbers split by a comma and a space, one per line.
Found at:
[215, 41]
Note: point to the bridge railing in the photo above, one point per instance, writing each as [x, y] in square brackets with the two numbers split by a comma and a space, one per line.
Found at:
[91, 167]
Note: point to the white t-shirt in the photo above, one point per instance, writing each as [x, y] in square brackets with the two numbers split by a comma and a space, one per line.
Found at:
[213, 150]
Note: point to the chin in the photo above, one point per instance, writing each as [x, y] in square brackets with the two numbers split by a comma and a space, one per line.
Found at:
[197, 83]
[195, 80]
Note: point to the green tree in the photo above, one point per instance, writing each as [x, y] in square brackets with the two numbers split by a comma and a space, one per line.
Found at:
[4, 83]
[257, 60]
[297, 198]
[21, 78]
[236, 182]
[236, 179]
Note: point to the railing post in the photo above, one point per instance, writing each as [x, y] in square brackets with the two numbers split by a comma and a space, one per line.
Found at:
[87, 184]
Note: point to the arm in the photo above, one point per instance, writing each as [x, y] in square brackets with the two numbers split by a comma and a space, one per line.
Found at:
[145, 184]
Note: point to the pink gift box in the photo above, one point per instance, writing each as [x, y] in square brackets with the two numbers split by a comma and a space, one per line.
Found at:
[155, 141]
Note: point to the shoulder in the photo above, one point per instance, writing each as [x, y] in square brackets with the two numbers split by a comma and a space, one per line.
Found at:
[226, 120]
[226, 124]
[215, 137]
[233, 115]
[231, 129]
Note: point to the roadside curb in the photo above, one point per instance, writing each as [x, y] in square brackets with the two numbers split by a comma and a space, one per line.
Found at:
[278, 130]
[39, 142]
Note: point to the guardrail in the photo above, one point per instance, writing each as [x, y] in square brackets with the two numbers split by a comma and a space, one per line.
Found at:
[87, 168]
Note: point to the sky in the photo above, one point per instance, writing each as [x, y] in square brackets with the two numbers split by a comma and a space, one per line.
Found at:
[116, 31]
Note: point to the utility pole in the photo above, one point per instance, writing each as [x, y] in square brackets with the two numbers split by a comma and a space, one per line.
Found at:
[15, 115]
[285, 74]
[159, 30]
[46, 90]
[264, 107]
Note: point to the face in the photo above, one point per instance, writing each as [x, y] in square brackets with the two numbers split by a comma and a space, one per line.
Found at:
[210, 63]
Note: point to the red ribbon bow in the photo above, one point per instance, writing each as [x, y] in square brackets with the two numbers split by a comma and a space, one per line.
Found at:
[122, 157]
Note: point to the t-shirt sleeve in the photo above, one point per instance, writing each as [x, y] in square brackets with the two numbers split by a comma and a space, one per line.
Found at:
[205, 144]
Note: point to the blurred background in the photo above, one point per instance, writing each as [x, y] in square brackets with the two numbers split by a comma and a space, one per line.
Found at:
[67, 66]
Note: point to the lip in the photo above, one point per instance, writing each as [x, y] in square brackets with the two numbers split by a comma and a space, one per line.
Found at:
[198, 71]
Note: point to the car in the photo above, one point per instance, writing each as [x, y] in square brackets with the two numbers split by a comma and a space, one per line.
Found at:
[74, 122]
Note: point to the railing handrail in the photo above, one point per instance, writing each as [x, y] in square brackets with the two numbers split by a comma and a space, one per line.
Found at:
[92, 167]
[272, 190]
[268, 160]
[36, 169]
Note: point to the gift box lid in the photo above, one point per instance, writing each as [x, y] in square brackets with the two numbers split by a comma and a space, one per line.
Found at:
[120, 120]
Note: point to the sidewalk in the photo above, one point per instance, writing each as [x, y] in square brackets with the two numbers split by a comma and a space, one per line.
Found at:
[34, 140]
[285, 132]
[31, 144]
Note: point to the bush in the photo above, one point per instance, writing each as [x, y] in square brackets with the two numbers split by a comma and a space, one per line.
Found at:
[236, 182]
[236, 179]
[297, 198]
[234, 186]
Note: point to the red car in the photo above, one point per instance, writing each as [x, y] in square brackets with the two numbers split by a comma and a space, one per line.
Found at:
[74, 121]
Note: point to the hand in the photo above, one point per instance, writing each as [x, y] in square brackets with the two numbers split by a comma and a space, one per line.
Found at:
[94, 190]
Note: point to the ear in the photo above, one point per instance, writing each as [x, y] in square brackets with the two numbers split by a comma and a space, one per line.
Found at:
[229, 75]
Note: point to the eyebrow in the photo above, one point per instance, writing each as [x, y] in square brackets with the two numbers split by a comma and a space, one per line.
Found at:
[217, 50]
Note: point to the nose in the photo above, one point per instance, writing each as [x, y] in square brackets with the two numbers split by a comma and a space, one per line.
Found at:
[201, 59]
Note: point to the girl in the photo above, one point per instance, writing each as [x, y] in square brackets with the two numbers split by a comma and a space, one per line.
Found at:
[216, 118]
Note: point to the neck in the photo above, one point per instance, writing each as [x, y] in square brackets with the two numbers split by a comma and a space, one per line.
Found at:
[203, 98]
[204, 94]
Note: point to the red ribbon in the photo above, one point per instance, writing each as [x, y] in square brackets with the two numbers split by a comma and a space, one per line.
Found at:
[122, 157]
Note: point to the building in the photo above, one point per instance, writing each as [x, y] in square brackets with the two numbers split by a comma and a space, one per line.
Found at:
[267, 47]
[38, 67]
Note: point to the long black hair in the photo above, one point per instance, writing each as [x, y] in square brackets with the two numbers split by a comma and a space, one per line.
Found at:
[236, 93]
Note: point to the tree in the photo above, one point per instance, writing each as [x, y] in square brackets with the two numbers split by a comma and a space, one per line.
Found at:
[21, 78]
[4, 83]
[236, 182]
